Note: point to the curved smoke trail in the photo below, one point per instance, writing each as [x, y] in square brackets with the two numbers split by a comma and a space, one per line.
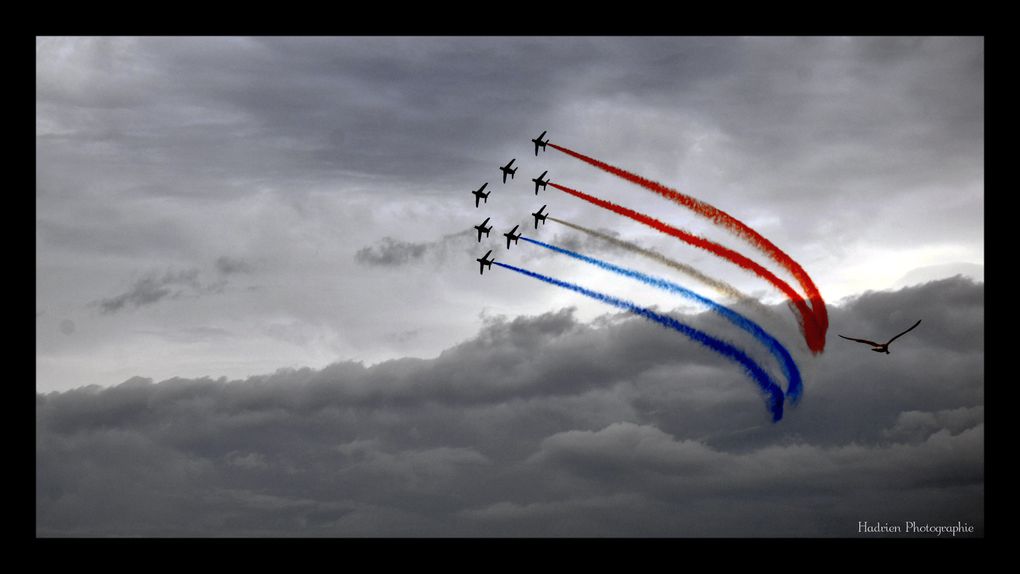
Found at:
[773, 394]
[814, 335]
[726, 220]
[720, 286]
[794, 385]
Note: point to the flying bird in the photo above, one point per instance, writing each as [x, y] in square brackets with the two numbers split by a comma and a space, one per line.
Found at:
[882, 347]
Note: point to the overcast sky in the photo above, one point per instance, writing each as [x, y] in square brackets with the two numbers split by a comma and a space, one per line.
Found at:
[223, 209]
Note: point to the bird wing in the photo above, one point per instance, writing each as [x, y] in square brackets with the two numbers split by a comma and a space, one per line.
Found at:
[904, 332]
[865, 341]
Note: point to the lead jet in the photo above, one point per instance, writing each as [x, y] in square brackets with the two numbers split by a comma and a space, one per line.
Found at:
[506, 169]
[479, 195]
[483, 229]
[483, 262]
[539, 143]
[538, 215]
[510, 236]
[540, 182]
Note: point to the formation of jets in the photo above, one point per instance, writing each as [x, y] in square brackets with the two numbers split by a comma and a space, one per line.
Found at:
[540, 182]
[480, 194]
[506, 169]
[539, 215]
[483, 229]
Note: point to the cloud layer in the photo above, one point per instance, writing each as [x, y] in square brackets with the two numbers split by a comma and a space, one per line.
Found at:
[540, 426]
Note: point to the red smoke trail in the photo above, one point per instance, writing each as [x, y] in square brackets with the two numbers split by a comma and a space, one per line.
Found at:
[814, 334]
[726, 220]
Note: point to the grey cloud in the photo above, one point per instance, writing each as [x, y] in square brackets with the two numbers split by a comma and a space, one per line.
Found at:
[628, 457]
[389, 252]
[935, 272]
[67, 327]
[919, 425]
[374, 107]
[334, 105]
[585, 243]
[150, 289]
[153, 288]
[233, 265]
[539, 426]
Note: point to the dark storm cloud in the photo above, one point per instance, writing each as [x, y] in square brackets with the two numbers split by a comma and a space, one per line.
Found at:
[540, 426]
[310, 108]
[154, 288]
[424, 109]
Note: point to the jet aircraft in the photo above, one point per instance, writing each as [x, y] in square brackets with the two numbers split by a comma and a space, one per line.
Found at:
[511, 237]
[506, 170]
[538, 216]
[540, 182]
[483, 229]
[483, 262]
[539, 143]
[480, 195]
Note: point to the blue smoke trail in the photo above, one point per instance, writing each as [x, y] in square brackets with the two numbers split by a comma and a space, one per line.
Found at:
[794, 385]
[774, 394]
